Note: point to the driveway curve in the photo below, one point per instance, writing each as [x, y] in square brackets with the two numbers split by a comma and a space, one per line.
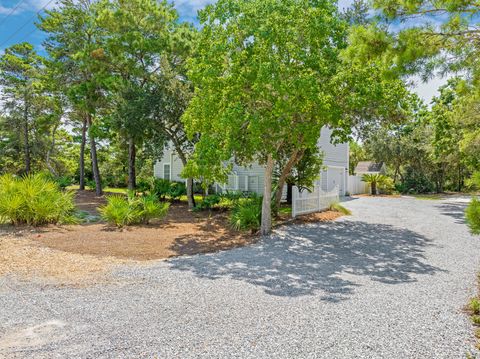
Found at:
[390, 281]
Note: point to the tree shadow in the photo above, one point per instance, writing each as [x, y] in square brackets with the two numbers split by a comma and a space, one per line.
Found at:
[302, 260]
[454, 210]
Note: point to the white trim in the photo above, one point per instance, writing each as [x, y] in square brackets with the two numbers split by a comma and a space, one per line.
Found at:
[170, 171]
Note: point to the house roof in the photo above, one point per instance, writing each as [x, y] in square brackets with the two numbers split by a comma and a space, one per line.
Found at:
[368, 166]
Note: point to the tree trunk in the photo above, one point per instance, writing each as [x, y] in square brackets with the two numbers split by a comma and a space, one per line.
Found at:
[82, 155]
[296, 156]
[132, 183]
[374, 188]
[190, 194]
[26, 138]
[266, 225]
[289, 193]
[48, 160]
[93, 155]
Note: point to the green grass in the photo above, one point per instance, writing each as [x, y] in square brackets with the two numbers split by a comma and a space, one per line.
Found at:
[198, 198]
[339, 208]
[285, 210]
[429, 197]
[76, 187]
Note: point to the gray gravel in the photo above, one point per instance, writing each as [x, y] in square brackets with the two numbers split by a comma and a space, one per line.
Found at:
[388, 282]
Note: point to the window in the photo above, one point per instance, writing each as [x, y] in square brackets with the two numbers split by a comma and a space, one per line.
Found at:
[166, 171]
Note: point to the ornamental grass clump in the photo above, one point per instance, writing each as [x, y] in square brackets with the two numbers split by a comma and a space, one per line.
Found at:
[34, 200]
[247, 214]
[124, 211]
[472, 214]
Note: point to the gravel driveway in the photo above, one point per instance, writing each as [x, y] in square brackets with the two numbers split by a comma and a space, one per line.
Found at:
[388, 282]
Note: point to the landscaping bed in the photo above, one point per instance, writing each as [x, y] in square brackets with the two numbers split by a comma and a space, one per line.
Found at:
[84, 252]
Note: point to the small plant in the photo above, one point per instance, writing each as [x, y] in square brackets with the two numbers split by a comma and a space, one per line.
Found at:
[144, 185]
[160, 188]
[386, 185]
[63, 181]
[34, 200]
[177, 190]
[476, 319]
[164, 188]
[337, 207]
[474, 306]
[125, 211]
[472, 214]
[247, 214]
[208, 202]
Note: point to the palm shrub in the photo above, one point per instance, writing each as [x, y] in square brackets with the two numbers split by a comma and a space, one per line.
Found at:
[34, 200]
[177, 190]
[246, 214]
[124, 211]
[376, 180]
[160, 188]
[472, 214]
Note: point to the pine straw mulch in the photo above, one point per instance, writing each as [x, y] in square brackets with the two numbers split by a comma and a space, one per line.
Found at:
[22, 257]
[86, 254]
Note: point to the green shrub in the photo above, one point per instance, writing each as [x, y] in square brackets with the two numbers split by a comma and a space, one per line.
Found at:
[144, 185]
[474, 305]
[34, 200]
[339, 208]
[125, 211]
[476, 319]
[386, 186]
[416, 182]
[63, 181]
[163, 188]
[246, 214]
[472, 214]
[473, 183]
[208, 202]
[160, 188]
[177, 190]
[92, 185]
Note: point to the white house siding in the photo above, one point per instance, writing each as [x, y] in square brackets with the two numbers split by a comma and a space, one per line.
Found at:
[251, 178]
[176, 166]
[336, 161]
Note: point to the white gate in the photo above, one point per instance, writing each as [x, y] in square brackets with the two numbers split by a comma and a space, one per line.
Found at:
[308, 202]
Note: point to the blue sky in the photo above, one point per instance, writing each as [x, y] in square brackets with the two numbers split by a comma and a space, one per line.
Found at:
[17, 18]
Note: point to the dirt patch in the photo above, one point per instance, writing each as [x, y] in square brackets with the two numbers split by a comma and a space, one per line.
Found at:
[182, 232]
[88, 202]
[326, 216]
[20, 255]
[88, 252]
[378, 195]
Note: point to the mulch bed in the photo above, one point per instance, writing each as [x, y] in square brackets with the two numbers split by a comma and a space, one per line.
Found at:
[81, 252]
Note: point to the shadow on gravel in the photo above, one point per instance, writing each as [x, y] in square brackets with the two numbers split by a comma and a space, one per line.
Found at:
[454, 210]
[301, 260]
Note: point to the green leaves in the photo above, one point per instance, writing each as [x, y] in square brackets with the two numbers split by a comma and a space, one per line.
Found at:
[124, 211]
[33, 200]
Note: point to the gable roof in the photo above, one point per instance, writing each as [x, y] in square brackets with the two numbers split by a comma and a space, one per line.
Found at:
[368, 166]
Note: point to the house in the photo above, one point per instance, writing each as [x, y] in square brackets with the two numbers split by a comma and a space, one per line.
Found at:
[251, 178]
[370, 167]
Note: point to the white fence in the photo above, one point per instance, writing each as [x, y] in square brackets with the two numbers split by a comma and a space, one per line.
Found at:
[357, 186]
[308, 202]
